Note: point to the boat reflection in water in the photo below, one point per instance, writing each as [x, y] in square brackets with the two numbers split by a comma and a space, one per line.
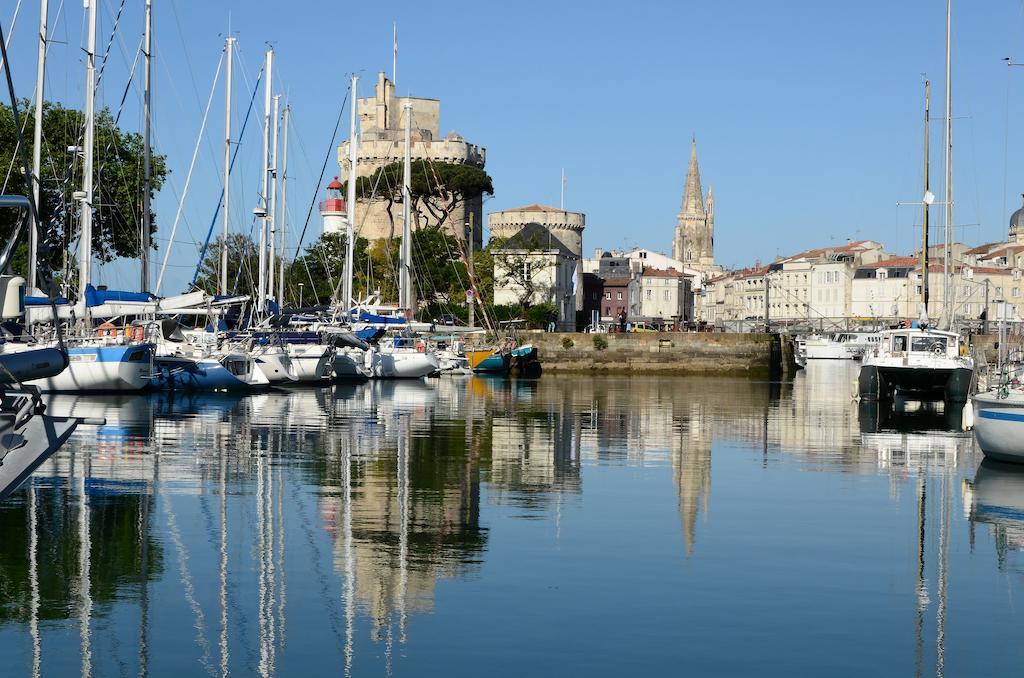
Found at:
[346, 529]
[996, 498]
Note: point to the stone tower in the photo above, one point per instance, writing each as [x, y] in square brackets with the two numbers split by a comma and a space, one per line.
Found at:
[694, 242]
[1017, 226]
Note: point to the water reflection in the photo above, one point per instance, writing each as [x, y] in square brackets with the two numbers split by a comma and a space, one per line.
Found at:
[347, 529]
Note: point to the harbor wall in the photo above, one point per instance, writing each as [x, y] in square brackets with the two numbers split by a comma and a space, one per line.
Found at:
[660, 353]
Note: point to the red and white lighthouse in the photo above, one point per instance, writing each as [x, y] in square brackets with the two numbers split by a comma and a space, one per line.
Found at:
[332, 210]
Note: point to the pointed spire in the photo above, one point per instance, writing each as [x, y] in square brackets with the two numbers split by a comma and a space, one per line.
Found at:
[693, 198]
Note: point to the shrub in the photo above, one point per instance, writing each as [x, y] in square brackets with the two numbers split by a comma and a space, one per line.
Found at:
[567, 343]
[600, 343]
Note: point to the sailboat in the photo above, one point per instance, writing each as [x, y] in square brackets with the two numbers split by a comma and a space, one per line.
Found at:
[923, 362]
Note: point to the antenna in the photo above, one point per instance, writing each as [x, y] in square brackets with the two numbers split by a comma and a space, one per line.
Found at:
[562, 204]
[394, 52]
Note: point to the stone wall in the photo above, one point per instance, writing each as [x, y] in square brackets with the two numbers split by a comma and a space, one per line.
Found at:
[659, 352]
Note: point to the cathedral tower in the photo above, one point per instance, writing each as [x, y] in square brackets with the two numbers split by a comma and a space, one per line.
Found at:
[694, 242]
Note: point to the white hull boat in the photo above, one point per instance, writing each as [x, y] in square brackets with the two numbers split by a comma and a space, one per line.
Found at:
[311, 362]
[100, 368]
[999, 425]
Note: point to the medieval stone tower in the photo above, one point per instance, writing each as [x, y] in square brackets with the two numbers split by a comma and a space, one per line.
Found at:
[694, 242]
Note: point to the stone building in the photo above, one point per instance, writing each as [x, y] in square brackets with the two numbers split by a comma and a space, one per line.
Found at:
[660, 297]
[694, 242]
[567, 227]
[381, 141]
[534, 266]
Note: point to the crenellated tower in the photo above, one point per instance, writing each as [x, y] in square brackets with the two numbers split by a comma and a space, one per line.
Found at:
[694, 242]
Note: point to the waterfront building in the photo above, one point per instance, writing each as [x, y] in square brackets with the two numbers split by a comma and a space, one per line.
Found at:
[381, 142]
[694, 241]
[534, 266]
[616, 298]
[660, 297]
[593, 294]
[632, 263]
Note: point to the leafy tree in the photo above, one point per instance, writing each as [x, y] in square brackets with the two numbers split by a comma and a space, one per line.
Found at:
[243, 260]
[118, 174]
[437, 189]
[519, 268]
[321, 266]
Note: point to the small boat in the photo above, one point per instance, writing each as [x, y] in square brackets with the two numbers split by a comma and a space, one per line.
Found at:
[917, 363]
[842, 346]
[999, 424]
[489, 361]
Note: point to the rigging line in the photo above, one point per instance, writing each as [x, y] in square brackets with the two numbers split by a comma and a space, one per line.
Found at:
[323, 168]
[188, 177]
[10, 29]
[110, 43]
[220, 200]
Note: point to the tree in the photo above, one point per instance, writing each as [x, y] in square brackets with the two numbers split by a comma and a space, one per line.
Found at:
[437, 189]
[118, 174]
[243, 260]
[519, 267]
[321, 267]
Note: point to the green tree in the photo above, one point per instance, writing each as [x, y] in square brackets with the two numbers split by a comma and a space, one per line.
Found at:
[118, 173]
[437, 189]
[520, 267]
[242, 256]
[321, 266]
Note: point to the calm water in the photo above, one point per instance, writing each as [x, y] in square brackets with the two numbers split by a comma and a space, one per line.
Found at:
[464, 527]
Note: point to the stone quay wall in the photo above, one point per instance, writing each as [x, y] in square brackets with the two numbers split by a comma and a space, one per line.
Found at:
[660, 353]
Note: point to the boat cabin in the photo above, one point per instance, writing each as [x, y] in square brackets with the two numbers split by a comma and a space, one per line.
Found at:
[918, 343]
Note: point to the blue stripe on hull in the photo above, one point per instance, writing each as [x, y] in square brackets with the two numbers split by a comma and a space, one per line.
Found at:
[1002, 415]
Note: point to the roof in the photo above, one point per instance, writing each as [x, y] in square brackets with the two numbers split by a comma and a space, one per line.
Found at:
[849, 247]
[652, 272]
[534, 208]
[1005, 251]
[619, 281]
[983, 249]
[895, 262]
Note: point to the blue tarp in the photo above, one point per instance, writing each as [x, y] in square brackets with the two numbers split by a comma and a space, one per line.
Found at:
[367, 317]
[45, 301]
[369, 333]
[95, 297]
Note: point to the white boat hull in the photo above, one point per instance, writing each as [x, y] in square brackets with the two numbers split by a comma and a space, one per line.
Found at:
[404, 365]
[1000, 433]
[311, 362]
[103, 369]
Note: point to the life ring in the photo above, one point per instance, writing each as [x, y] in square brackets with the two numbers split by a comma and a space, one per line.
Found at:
[106, 330]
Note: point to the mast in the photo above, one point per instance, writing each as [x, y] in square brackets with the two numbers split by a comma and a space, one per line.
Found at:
[263, 211]
[272, 212]
[37, 144]
[350, 222]
[947, 297]
[284, 206]
[405, 262]
[229, 45]
[147, 176]
[926, 202]
[85, 216]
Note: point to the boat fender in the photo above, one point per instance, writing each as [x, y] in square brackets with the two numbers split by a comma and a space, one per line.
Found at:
[967, 417]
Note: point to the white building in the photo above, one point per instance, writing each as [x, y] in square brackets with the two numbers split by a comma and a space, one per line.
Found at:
[660, 296]
[535, 267]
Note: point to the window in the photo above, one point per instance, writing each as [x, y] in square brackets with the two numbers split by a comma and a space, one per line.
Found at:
[607, 310]
[618, 296]
[667, 296]
[934, 344]
[999, 291]
[883, 274]
[608, 296]
[1016, 291]
[650, 295]
[527, 271]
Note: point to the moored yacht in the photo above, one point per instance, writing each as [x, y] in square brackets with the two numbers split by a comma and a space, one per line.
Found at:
[917, 363]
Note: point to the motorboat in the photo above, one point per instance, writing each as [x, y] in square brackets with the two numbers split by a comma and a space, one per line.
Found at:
[194, 361]
[916, 363]
[842, 346]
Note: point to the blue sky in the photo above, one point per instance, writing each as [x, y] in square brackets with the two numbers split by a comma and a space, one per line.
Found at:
[807, 114]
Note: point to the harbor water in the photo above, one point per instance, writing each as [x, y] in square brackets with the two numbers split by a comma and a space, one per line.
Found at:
[573, 525]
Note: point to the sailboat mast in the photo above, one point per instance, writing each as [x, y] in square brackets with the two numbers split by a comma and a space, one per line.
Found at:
[261, 286]
[350, 222]
[37, 144]
[229, 47]
[147, 169]
[284, 205]
[272, 212]
[85, 217]
[926, 200]
[404, 280]
[947, 297]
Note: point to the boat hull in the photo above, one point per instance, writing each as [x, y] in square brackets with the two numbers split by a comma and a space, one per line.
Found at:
[1000, 433]
[99, 369]
[404, 365]
[34, 442]
[883, 382]
[178, 373]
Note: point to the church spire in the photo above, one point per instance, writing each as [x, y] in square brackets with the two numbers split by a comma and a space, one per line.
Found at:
[693, 198]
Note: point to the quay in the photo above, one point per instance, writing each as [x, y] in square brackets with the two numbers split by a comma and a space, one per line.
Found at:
[707, 353]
